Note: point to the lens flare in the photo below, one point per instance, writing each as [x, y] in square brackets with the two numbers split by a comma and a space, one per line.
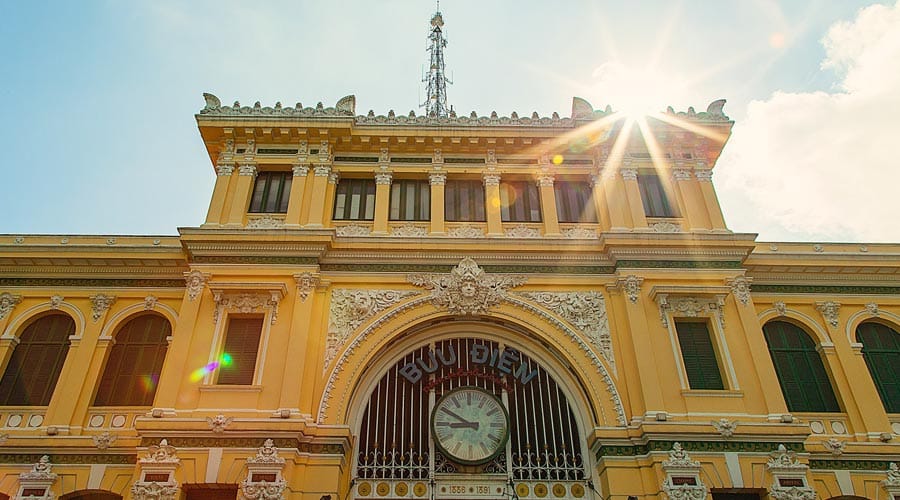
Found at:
[148, 382]
[224, 360]
[558, 159]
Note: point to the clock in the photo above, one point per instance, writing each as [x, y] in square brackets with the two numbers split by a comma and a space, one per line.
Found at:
[470, 425]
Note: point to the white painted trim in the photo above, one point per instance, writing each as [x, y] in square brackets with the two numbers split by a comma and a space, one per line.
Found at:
[214, 461]
[733, 463]
[844, 482]
[216, 344]
[811, 324]
[14, 324]
[718, 321]
[859, 317]
[96, 477]
[123, 315]
[676, 351]
[262, 348]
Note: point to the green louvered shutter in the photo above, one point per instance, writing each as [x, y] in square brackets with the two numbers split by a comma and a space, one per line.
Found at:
[881, 350]
[699, 355]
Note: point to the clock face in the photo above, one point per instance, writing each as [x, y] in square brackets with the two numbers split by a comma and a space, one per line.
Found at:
[470, 425]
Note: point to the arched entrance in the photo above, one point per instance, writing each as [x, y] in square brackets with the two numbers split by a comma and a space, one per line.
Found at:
[428, 424]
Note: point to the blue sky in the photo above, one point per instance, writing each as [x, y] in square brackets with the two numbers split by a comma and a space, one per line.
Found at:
[98, 97]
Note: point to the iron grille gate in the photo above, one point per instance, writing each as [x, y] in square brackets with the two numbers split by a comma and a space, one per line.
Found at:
[397, 457]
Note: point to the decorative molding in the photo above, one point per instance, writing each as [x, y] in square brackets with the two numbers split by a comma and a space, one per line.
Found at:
[545, 179]
[491, 178]
[725, 427]
[349, 309]
[162, 453]
[679, 458]
[784, 465]
[334, 177]
[467, 289]
[40, 471]
[8, 302]
[465, 232]
[703, 174]
[892, 483]
[740, 288]
[681, 174]
[522, 231]
[300, 170]
[103, 440]
[246, 302]
[409, 231]
[40, 478]
[690, 307]
[437, 178]
[629, 174]
[719, 446]
[631, 286]
[437, 157]
[306, 283]
[144, 490]
[56, 301]
[265, 222]
[780, 308]
[586, 311]
[218, 423]
[871, 307]
[383, 177]
[490, 157]
[352, 230]
[150, 302]
[266, 454]
[195, 281]
[665, 227]
[829, 310]
[224, 169]
[321, 170]
[682, 480]
[100, 303]
[579, 233]
[268, 463]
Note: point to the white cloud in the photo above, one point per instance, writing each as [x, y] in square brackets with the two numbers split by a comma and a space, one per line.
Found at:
[825, 165]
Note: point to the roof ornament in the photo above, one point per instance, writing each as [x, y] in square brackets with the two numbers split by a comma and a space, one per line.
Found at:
[436, 103]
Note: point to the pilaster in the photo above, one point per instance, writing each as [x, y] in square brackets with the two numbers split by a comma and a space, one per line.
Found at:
[633, 196]
[710, 200]
[318, 197]
[491, 180]
[297, 354]
[437, 179]
[300, 172]
[548, 203]
[601, 203]
[383, 179]
[695, 213]
[242, 192]
[224, 175]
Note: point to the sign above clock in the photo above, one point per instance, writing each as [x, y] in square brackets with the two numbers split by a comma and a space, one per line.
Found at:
[506, 361]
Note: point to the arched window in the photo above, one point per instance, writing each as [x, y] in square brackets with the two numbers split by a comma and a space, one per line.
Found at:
[804, 381]
[881, 350]
[135, 362]
[34, 366]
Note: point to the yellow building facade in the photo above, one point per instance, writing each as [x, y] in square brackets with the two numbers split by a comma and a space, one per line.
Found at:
[468, 307]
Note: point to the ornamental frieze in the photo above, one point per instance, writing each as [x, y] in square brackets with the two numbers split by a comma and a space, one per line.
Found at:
[467, 289]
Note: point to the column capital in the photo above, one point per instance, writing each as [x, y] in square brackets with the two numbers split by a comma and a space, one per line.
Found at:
[247, 169]
[545, 179]
[437, 157]
[300, 170]
[383, 177]
[703, 175]
[491, 178]
[325, 153]
[250, 150]
[490, 158]
[225, 169]
[437, 178]
[628, 173]
[334, 176]
[681, 174]
[322, 170]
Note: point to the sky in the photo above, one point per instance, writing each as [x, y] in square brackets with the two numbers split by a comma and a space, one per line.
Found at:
[98, 97]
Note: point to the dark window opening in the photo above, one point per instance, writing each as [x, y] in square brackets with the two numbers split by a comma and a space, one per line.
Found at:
[410, 200]
[519, 202]
[355, 199]
[699, 355]
[271, 192]
[464, 201]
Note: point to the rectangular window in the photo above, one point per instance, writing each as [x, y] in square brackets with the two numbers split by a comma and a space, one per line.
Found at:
[574, 202]
[355, 199]
[464, 201]
[699, 355]
[653, 194]
[410, 200]
[519, 202]
[238, 360]
[271, 192]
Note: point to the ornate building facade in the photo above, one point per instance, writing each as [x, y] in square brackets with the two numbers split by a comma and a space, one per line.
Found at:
[450, 307]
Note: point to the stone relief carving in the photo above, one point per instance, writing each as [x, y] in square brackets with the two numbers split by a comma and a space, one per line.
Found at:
[384, 177]
[629, 174]
[681, 465]
[780, 308]
[195, 280]
[437, 178]
[465, 232]
[352, 230]
[631, 286]
[100, 303]
[740, 288]
[144, 490]
[247, 169]
[586, 311]
[150, 302]
[224, 169]
[265, 222]
[893, 475]
[829, 310]
[161, 458]
[579, 233]
[835, 446]
[162, 453]
[871, 307]
[690, 307]
[322, 170]
[523, 231]
[409, 231]
[218, 423]
[263, 490]
[103, 440]
[56, 301]
[351, 307]
[266, 454]
[467, 289]
[300, 170]
[665, 227]
[438, 156]
[306, 283]
[246, 302]
[7, 302]
[491, 178]
[725, 427]
[40, 471]
[783, 458]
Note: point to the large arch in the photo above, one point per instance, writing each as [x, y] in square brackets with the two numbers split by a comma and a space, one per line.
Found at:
[532, 325]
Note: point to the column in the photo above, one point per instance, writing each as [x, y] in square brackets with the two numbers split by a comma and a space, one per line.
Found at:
[242, 191]
[330, 192]
[694, 212]
[615, 201]
[492, 203]
[318, 196]
[295, 203]
[704, 178]
[437, 181]
[215, 215]
[601, 203]
[296, 355]
[383, 180]
[633, 197]
[642, 338]
[548, 204]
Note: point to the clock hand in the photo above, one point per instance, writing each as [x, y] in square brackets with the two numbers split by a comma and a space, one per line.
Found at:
[454, 415]
[460, 425]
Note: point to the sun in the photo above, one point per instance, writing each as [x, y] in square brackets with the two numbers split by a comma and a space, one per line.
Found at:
[635, 92]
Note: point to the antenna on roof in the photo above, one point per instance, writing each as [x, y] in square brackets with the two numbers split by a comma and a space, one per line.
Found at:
[436, 102]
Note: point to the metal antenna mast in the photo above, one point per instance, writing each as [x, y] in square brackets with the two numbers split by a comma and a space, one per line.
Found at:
[436, 102]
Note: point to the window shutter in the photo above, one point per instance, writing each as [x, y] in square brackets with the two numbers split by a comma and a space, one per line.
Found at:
[242, 345]
[36, 362]
[699, 356]
[881, 351]
[135, 362]
[801, 373]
